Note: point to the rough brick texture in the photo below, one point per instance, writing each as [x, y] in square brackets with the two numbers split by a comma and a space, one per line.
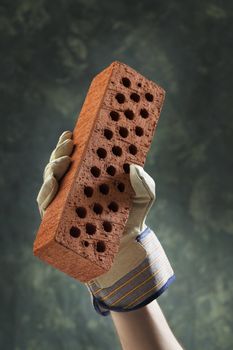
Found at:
[81, 229]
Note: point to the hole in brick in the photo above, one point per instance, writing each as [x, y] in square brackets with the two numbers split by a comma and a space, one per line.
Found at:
[126, 168]
[144, 113]
[107, 226]
[100, 246]
[90, 229]
[97, 208]
[149, 97]
[133, 149]
[111, 170]
[121, 187]
[117, 151]
[85, 243]
[114, 115]
[135, 97]
[88, 191]
[139, 85]
[129, 114]
[108, 134]
[113, 206]
[104, 188]
[123, 132]
[95, 171]
[139, 131]
[75, 232]
[81, 211]
[102, 153]
[120, 98]
[126, 82]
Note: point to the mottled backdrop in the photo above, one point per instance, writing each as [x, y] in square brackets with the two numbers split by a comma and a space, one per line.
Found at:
[49, 53]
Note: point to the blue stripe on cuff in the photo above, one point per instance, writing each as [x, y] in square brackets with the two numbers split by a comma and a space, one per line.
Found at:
[97, 303]
[143, 233]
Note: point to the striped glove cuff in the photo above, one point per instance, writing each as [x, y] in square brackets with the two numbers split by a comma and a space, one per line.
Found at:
[140, 286]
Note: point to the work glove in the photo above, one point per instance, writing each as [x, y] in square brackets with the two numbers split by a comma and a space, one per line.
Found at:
[141, 270]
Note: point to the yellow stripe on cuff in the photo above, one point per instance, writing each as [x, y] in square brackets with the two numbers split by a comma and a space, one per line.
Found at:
[157, 285]
[132, 290]
[116, 289]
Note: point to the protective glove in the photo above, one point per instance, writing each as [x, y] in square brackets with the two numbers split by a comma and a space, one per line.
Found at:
[141, 270]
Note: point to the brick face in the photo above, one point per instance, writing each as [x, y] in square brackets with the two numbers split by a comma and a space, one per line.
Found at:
[81, 229]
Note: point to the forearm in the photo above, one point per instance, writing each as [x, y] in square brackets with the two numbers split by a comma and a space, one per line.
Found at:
[145, 328]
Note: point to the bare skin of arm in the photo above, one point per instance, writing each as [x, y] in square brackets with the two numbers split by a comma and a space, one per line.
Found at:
[145, 328]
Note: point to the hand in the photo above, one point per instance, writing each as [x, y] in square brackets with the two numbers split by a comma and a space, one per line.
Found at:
[131, 253]
[59, 162]
[140, 262]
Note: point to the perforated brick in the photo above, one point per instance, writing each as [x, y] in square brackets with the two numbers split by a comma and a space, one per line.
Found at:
[81, 229]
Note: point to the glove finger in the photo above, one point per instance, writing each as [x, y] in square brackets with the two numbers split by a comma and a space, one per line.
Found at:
[57, 168]
[144, 187]
[64, 148]
[65, 136]
[142, 183]
[46, 194]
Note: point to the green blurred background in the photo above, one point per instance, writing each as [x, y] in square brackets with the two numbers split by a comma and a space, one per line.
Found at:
[50, 52]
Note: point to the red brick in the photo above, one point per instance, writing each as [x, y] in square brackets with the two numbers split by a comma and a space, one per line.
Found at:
[91, 254]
